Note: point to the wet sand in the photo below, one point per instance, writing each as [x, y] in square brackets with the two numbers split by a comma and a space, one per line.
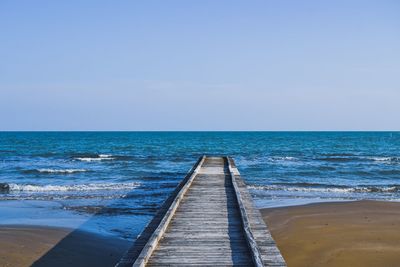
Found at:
[22, 246]
[361, 233]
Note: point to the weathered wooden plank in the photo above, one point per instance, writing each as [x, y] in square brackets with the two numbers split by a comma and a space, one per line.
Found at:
[269, 252]
[210, 222]
[134, 253]
[211, 200]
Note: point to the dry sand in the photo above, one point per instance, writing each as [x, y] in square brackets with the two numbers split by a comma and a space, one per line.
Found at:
[22, 246]
[361, 233]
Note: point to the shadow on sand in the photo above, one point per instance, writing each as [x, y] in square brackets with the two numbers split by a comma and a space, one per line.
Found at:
[82, 249]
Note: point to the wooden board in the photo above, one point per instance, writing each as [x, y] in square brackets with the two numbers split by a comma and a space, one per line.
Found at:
[209, 221]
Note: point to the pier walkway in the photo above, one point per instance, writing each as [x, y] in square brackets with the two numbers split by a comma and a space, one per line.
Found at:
[210, 220]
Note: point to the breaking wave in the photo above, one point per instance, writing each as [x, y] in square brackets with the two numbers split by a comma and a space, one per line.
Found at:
[282, 158]
[385, 159]
[311, 187]
[59, 171]
[75, 187]
[349, 158]
[99, 157]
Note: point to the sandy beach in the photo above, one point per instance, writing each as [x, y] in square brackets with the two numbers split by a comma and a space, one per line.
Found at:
[22, 246]
[361, 233]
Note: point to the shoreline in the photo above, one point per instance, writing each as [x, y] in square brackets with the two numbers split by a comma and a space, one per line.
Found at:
[29, 245]
[333, 234]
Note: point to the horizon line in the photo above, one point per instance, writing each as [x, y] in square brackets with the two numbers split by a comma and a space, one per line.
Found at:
[193, 131]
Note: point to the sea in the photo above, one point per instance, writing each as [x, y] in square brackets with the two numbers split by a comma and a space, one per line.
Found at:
[112, 183]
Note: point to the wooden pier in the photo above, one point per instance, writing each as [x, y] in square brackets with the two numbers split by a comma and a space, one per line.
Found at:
[209, 220]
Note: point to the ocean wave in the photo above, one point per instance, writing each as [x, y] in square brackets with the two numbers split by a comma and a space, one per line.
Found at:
[311, 187]
[54, 195]
[75, 187]
[300, 188]
[385, 159]
[332, 158]
[282, 158]
[99, 157]
[55, 171]
[378, 189]
[307, 184]
[242, 161]
[350, 158]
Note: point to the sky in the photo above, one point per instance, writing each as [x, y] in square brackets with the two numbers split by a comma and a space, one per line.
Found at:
[200, 65]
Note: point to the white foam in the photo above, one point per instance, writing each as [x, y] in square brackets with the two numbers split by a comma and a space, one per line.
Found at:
[302, 189]
[283, 158]
[361, 189]
[105, 156]
[77, 187]
[262, 160]
[99, 158]
[92, 159]
[385, 159]
[61, 170]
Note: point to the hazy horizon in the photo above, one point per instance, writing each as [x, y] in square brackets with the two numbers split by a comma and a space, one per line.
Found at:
[199, 66]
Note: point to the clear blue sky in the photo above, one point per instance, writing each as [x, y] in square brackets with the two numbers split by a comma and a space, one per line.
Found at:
[199, 65]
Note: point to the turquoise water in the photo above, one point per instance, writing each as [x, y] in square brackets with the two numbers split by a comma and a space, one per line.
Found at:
[113, 182]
